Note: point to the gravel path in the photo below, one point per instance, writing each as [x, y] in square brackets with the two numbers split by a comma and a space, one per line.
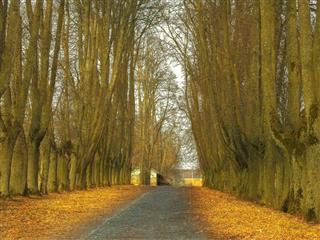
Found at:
[161, 213]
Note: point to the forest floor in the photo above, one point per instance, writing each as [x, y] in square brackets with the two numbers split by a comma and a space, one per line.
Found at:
[222, 216]
[59, 216]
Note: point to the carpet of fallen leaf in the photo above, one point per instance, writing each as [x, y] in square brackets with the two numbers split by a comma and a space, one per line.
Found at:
[222, 216]
[60, 216]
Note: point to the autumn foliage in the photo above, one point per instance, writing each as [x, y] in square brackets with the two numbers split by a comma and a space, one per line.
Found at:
[223, 216]
[61, 216]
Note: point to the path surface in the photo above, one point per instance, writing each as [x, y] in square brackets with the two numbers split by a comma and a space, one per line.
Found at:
[162, 213]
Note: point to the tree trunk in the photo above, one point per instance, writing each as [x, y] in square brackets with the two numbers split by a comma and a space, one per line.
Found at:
[33, 167]
[19, 166]
[63, 174]
[145, 173]
[6, 154]
[72, 174]
[45, 162]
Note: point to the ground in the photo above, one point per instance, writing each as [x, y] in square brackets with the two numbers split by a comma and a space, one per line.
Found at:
[223, 216]
[61, 216]
[131, 212]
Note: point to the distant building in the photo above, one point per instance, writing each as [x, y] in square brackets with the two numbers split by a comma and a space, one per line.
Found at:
[186, 177]
[135, 177]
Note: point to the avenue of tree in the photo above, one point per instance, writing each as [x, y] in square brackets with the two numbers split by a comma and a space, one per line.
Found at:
[253, 76]
[71, 75]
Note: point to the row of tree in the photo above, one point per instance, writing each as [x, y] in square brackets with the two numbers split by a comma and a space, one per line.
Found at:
[69, 79]
[252, 72]
[157, 143]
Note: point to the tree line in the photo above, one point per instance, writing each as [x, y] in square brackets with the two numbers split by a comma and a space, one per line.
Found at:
[70, 75]
[252, 89]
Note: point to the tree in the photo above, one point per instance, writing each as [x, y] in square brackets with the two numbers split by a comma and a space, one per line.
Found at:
[68, 75]
[251, 65]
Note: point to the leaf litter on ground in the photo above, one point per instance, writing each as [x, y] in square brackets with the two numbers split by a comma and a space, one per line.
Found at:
[223, 216]
[61, 215]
